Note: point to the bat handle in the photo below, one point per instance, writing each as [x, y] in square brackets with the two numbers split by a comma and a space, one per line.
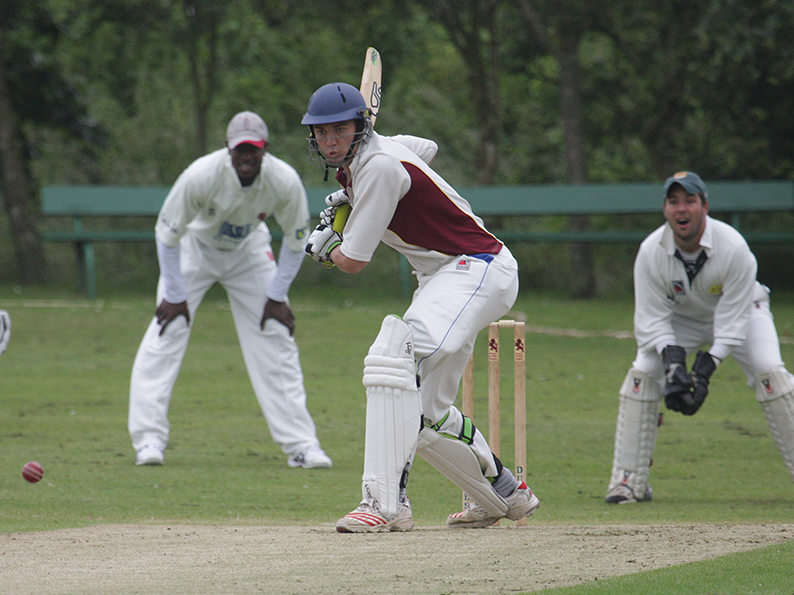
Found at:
[341, 217]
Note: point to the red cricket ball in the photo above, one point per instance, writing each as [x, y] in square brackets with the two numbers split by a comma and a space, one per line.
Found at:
[32, 472]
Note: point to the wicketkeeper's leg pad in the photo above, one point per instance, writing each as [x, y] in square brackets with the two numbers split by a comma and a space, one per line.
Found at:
[775, 392]
[394, 414]
[459, 463]
[635, 435]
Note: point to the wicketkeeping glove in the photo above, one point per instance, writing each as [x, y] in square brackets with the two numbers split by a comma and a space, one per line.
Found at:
[321, 242]
[702, 370]
[678, 386]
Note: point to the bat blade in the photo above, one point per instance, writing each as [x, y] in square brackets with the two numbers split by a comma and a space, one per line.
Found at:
[371, 90]
[371, 82]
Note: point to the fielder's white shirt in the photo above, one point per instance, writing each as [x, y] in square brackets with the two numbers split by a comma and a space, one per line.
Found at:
[208, 200]
[398, 199]
[720, 294]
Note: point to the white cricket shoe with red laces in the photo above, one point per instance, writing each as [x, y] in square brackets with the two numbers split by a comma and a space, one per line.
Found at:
[367, 519]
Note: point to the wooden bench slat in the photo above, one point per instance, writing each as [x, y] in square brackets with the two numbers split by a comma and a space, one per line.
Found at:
[727, 197]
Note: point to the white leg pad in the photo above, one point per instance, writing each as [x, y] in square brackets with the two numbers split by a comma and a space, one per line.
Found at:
[394, 414]
[458, 462]
[635, 436]
[775, 392]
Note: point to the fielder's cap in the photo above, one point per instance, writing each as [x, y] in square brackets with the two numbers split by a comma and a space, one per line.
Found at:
[691, 182]
[246, 127]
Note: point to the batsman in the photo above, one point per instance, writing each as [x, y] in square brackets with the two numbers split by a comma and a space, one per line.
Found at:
[467, 279]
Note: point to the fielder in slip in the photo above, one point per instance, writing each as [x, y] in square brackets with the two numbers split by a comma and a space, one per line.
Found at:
[467, 279]
[211, 229]
[694, 285]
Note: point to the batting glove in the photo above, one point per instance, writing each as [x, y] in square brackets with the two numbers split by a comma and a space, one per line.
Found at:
[337, 198]
[678, 386]
[327, 216]
[321, 242]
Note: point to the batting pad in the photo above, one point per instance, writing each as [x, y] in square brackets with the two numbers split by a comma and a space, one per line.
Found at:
[775, 392]
[461, 466]
[635, 435]
[394, 413]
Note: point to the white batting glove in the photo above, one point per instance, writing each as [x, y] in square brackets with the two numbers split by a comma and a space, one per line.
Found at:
[5, 330]
[337, 198]
[327, 216]
[321, 242]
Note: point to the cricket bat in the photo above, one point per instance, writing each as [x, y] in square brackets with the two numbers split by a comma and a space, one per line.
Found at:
[371, 90]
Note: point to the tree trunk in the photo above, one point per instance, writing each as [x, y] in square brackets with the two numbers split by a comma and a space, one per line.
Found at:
[473, 30]
[582, 267]
[18, 194]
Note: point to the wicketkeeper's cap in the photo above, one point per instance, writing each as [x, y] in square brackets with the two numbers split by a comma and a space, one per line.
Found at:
[691, 182]
[246, 127]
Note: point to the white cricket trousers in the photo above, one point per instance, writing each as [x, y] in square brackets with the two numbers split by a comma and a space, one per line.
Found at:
[448, 310]
[271, 356]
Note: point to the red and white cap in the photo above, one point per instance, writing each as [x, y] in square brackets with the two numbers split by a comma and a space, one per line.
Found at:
[246, 127]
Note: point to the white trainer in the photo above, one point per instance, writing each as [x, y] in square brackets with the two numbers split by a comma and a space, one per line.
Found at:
[151, 454]
[521, 503]
[310, 458]
[367, 519]
[623, 494]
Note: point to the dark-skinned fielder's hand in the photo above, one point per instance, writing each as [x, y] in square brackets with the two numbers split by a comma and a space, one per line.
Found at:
[278, 311]
[167, 312]
[678, 385]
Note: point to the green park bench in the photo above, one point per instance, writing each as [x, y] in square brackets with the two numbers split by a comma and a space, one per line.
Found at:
[731, 199]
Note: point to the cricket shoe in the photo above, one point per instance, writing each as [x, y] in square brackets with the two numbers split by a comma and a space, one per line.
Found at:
[310, 458]
[623, 494]
[522, 503]
[367, 519]
[151, 454]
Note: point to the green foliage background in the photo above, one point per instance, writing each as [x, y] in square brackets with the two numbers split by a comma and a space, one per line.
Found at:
[131, 91]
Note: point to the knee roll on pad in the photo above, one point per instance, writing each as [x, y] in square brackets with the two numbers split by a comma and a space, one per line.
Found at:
[635, 434]
[390, 361]
[773, 385]
[775, 392]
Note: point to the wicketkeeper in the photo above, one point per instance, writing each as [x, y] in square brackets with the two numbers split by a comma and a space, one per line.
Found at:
[694, 285]
[467, 279]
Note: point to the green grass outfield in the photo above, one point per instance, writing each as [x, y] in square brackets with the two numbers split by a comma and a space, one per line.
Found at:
[63, 401]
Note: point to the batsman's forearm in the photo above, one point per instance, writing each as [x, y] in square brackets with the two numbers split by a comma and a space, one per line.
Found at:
[345, 264]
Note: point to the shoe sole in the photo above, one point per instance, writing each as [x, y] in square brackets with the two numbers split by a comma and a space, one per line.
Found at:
[532, 505]
[304, 466]
[150, 463]
[360, 523]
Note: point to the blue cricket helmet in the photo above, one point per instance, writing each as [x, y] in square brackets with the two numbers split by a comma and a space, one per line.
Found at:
[335, 102]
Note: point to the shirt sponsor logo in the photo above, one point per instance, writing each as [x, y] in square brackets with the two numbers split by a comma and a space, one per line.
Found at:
[171, 225]
[679, 288]
[715, 289]
[233, 232]
[301, 233]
